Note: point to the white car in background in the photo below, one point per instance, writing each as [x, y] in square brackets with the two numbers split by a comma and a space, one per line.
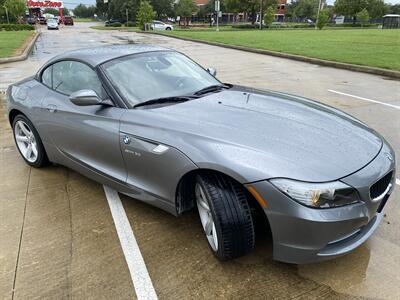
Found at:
[158, 25]
[52, 24]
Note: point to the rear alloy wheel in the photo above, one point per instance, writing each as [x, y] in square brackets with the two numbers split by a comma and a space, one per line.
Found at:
[225, 215]
[28, 142]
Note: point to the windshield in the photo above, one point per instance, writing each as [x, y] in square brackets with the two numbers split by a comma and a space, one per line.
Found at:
[153, 75]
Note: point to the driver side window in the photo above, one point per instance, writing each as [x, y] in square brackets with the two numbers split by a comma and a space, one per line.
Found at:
[71, 76]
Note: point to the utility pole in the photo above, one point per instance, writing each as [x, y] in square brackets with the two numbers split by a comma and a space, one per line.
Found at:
[107, 14]
[8, 20]
[261, 13]
[319, 10]
[127, 17]
[217, 9]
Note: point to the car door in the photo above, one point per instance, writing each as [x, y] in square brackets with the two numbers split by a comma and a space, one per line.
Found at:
[158, 25]
[86, 136]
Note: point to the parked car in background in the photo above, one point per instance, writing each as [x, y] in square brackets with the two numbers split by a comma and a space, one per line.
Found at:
[68, 20]
[31, 21]
[158, 25]
[52, 24]
[42, 21]
[112, 22]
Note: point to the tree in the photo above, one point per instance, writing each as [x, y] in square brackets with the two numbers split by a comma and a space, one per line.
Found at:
[163, 7]
[350, 7]
[363, 17]
[290, 9]
[52, 11]
[145, 14]
[56, 11]
[394, 9]
[15, 8]
[269, 16]
[376, 8]
[101, 8]
[323, 19]
[83, 11]
[130, 6]
[306, 9]
[185, 9]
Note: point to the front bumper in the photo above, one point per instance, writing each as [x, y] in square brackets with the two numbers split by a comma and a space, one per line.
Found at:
[304, 235]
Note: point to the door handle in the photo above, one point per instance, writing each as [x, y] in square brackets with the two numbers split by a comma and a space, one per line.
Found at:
[51, 108]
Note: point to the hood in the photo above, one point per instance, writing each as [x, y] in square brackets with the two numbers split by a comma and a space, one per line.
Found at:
[269, 135]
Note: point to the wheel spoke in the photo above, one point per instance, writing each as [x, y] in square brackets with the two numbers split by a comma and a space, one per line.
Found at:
[209, 226]
[21, 138]
[34, 150]
[203, 204]
[203, 201]
[28, 152]
[215, 237]
[24, 129]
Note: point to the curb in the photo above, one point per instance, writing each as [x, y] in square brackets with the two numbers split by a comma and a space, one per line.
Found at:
[316, 61]
[24, 54]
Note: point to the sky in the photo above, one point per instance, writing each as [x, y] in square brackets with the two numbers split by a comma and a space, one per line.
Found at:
[73, 3]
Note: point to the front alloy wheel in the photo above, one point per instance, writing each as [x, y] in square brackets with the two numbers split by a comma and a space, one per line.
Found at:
[206, 217]
[225, 215]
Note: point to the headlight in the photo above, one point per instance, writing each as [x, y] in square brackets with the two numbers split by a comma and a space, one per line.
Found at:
[317, 195]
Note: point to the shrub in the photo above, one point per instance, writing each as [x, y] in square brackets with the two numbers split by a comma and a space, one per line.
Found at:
[363, 17]
[130, 24]
[244, 26]
[269, 16]
[323, 19]
[306, 25]
[116, 24]
[346, 25]
[16, 27]
[145, 14]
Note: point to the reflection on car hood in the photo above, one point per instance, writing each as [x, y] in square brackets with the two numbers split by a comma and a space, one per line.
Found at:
[304, 139]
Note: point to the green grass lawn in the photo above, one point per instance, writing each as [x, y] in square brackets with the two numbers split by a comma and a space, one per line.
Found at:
[11, 41]
[371, 47]
[86, 20]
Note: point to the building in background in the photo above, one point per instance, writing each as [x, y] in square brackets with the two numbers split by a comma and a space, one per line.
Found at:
[281, 10]
[243, 17]
[36, 8]
[201, 2]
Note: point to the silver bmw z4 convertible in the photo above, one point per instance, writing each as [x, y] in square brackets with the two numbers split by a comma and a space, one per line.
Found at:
[152, 124]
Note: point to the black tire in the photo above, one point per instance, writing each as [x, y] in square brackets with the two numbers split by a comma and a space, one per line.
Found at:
[168, 28]
[41, 159]
[231, 215]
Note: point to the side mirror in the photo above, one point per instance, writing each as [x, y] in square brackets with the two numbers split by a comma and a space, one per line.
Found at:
[212, 71]
[85, 98]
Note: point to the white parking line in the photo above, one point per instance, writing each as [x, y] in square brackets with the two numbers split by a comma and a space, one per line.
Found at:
[140, 276]
[365, 99]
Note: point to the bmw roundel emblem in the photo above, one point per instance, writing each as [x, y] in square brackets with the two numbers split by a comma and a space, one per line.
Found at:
[126, 140]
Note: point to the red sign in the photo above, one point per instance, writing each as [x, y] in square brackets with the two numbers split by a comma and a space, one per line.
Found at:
[44, 4]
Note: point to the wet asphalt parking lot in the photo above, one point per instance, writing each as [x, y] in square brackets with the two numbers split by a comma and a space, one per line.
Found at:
[58, 237]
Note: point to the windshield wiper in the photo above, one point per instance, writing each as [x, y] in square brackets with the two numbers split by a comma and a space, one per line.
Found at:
[172, 99]
[212, 88]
